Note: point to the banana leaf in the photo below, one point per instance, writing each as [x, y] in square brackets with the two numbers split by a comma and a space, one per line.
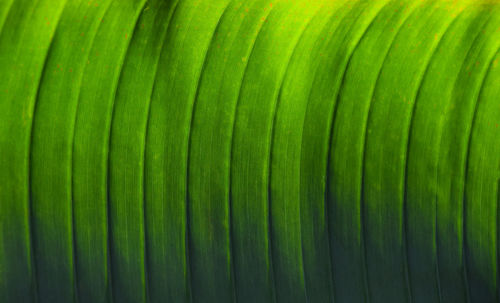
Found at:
[249, 151]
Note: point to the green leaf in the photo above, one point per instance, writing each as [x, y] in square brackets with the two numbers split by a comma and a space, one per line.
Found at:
[25, 40]
[258, 151]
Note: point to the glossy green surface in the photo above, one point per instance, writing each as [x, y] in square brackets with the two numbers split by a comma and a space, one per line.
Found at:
[249, 151]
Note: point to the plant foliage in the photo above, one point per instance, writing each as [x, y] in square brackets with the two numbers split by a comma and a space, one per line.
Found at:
[249, 151]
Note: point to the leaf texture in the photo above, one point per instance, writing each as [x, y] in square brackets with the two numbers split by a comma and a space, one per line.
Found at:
[249, 151]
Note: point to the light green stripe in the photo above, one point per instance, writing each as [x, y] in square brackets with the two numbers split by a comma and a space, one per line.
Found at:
[90, 161]
[451, 167]
[127, 141]
[251, 189]
[426, 129]
[24, 43]
[386, 149]
[347, 147]
[52, 148]
[181, 62]
[286, 157]
[481, 192]
[210, 145]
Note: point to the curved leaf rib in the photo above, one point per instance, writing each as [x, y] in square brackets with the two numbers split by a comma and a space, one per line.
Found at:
[258, 151]
[348, 129]
[480, 205]
[127, 142]
[167, 150]
[209, 221]
[211, 135]
[447, 33]
[286, 149]
[95, 227]
[423, 144]
[384, 157]
[283, 168]
[482, 191]
[451, 165]
[24, 45]
[317, 132]
[250, 159]
[51, 153]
